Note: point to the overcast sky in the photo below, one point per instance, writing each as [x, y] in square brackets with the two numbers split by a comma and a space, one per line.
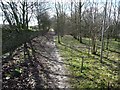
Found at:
[52, 11]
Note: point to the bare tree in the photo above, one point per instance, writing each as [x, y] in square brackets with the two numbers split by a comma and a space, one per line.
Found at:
[60, 17]
[80, 30]
[103, 29]
[41, 14]
[16, 14]
[109, 23]
[57, 12]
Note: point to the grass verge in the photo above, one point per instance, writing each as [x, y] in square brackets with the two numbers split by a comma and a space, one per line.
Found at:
[94, 74]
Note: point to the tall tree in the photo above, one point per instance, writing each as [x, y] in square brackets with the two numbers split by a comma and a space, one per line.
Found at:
[80, 29]
[16, 14]
[42, 15]
[102, 33]
[60, 18]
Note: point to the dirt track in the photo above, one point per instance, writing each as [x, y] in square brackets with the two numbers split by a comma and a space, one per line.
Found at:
[55, 67]
[41, 68]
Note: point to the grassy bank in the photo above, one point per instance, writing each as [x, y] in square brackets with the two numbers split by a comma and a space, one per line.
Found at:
[94, 74]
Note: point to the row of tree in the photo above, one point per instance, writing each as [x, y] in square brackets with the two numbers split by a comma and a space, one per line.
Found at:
[20, 14]
[17, 15]
[95, 20]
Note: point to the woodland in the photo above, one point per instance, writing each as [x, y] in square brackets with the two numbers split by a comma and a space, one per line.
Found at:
[73, 45]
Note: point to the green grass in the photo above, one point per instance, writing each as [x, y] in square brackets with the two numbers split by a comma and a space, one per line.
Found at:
[94, 73]
[112, 46]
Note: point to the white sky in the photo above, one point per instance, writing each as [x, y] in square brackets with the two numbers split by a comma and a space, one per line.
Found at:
[52, 11]
[65, 1]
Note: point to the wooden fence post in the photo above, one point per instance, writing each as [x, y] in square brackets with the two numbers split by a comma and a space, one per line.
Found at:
[82, 63]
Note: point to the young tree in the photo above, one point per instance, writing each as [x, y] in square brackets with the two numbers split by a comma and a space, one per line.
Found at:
[60, 18]
[80, 29]
[108, 27]
[57, 18]
[103, 29]
[42, 15]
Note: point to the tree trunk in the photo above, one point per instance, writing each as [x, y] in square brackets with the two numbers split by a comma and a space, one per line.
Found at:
[80, 39]
[93, 45]
[89, 48]
[80, 8]
[103, 29]
[107, 42]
